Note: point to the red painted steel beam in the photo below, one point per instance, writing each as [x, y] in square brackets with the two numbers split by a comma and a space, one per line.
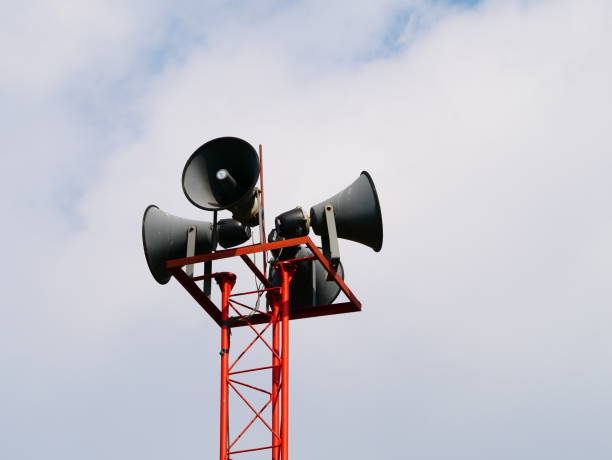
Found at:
[301, 313]
[226, 282]
[243, 250]
[251, 450]
[260, 276]
[287, 271]
[259, 318]
[259, 291]
[319, 255]
[251, 370]
[250, 406]
[197, 294]
[279, 319]
[276, 376]
[250, 423]
[250, 386]
[257, 336]
[233, 301]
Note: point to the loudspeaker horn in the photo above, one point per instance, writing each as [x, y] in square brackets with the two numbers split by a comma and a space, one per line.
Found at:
[357, 213]
[164, 237]
[222, 174]
[301, 286]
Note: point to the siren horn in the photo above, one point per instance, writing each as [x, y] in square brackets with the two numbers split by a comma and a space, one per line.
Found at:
[356, 213]
[164, 237]
[167, 237]
[222, 174]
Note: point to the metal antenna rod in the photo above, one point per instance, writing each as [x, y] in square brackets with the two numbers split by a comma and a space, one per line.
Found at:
[262, 217]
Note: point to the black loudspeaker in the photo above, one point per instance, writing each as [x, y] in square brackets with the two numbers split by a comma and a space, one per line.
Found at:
[356, 211]
[292, 223]
[300, 288]
[164, 237]
[222, 174]
[232, 233]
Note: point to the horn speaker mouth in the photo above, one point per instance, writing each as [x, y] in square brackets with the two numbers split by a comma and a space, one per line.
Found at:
[160, 277]
[357, 213]
[165, 237]
[221, 173]
[378, 246]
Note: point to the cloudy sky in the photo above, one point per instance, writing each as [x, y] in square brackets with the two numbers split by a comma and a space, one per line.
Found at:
[485, 124]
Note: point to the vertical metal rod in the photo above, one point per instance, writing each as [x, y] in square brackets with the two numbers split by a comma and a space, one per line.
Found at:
[226, 282]
[276, 375]
[262, 206]
[208, 265]
[262, 230]
[287, 271]
[313, 281]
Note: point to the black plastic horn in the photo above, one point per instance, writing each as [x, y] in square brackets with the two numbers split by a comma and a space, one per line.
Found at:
[356, 211]
[164, 237]
[222, 174]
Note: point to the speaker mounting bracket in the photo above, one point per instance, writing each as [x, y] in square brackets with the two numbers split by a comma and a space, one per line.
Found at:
[175, 268]
[192, 232]
[208, 264]
[329, 238]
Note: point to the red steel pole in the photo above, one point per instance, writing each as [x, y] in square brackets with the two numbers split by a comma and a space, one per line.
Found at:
[226, 282]
[276, 375]
[287, 270]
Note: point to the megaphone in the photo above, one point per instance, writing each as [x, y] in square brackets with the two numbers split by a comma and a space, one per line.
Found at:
[356, 212]
[301, 292]
[222, 174]
[164, 237]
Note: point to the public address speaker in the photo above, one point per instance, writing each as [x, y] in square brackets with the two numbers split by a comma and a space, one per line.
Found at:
[222, 174]
[165, 237]
[357, 213]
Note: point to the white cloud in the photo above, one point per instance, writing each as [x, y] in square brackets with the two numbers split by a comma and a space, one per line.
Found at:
[483, 330]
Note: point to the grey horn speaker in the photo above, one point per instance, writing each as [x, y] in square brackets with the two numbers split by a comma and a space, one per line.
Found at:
[164, 237]
[300, 288]
[357, 213]
[222, 174]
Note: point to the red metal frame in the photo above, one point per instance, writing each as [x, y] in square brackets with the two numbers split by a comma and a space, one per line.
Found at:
[276, 319]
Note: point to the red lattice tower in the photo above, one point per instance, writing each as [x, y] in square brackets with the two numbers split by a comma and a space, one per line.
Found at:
[228, 316]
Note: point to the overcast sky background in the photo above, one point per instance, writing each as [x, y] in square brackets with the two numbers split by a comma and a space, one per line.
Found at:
[485, 332]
